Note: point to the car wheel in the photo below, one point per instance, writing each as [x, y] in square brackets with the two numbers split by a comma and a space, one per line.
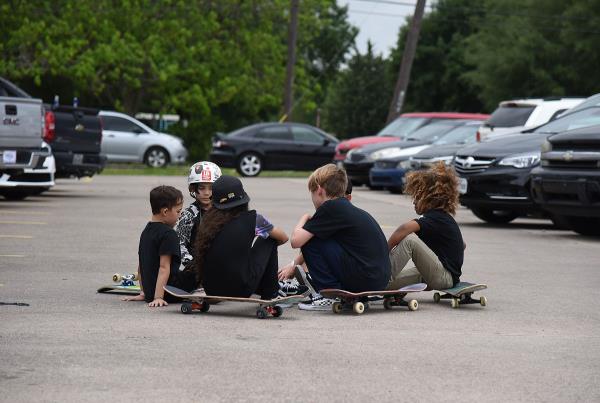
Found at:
[15, 194]
[156, 157]
[495, 216]
[585, 225]
[249, 164]
[560, 222]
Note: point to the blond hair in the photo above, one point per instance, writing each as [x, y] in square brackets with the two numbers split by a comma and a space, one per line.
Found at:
[331, 178]
[435, 188]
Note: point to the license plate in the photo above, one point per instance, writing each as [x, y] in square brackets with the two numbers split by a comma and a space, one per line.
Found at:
[77, 159]
[462, 185]
[9, 157]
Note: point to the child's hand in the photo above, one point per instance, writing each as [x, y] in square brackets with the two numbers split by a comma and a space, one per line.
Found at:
[158, 302]
[286, 272]
[139, 297]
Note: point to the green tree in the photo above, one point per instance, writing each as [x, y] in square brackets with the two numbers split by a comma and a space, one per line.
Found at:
[358, 101]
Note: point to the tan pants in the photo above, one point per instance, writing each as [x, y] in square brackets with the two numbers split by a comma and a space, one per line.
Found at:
[428, 268]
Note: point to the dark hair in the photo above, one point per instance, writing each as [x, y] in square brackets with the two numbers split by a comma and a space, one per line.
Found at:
[349, 188]
[164, 197]
[212, 222]
[435, 188]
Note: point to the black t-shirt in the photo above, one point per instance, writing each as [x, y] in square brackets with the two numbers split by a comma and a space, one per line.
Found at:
[441, 234]
[357, 233]
[226, 270]
[157, 239]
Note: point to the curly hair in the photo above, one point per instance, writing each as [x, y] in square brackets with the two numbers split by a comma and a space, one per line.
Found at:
[212, 222]
[435, 188]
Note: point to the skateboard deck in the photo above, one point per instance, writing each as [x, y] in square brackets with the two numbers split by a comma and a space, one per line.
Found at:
[200, 301]
[462, 294]
[357, 300]
[120, 289]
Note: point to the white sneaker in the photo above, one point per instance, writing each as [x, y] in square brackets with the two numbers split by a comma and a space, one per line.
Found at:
[319, 303]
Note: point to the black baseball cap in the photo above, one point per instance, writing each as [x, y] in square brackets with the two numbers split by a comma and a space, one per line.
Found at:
[228, 192]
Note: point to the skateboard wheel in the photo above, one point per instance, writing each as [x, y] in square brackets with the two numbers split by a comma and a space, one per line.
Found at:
[204, 306]
[358, 307]
[455, 302]
[337, 307]
[116, 277]
[186, 308]
[387, 303]
[261, 313]
[483, 301]
[413, 305]
[277, 311]
[437, 297]
[134, 277]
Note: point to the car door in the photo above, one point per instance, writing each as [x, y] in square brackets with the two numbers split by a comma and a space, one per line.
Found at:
[312, 148]
[275, 143]
[122, 138]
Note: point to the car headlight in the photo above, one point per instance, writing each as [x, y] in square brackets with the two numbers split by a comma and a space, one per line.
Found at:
[349, 154]
[546, 146]
[385, 153]
[405, 164]
[521, 160]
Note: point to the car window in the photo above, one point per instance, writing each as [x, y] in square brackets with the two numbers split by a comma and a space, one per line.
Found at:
[461, 135]
[432, 131]
[401, 127]
[117, 124]
[274, 133]
[510, 115]
[594, 100]
[577, 120]
[305, 135]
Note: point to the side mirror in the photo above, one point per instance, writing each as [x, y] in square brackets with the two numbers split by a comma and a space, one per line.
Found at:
[326, 142]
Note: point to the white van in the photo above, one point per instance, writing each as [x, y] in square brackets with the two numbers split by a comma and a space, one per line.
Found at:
[519, 114]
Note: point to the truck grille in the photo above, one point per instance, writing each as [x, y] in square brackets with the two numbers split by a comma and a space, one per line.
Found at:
[571, 159]
[471, 165]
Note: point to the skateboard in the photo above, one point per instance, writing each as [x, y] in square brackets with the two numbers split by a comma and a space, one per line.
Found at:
[461, 294]
[357, 300]
[126, 286]
[199, 301]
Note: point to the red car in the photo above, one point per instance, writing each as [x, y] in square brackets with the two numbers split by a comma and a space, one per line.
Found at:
[400, 128]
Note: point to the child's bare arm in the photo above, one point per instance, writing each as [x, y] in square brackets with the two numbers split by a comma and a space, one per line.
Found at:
[300, 236]
[278, 235]
[163, 276]
[401, 232]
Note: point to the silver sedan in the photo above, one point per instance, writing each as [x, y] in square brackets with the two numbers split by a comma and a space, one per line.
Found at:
[126, 139]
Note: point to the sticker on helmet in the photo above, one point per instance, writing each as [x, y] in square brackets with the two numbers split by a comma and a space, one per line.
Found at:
[206, 175]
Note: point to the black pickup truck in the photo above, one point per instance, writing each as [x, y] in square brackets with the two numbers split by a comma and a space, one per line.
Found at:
[75, 140]
[567, 184]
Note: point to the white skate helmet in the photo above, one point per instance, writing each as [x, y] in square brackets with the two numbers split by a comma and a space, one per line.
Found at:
[203, 172]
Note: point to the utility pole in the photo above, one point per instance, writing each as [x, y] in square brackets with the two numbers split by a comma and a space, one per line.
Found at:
[288, 94]
[407, 59]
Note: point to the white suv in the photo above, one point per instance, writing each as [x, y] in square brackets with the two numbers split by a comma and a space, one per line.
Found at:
[519, 114]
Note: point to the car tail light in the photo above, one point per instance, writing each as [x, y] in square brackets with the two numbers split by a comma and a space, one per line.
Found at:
[478, 136]
[49, 132]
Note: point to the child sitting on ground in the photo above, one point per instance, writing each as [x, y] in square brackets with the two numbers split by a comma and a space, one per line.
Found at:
[235, 253]
[343, 246]
[437, 249]
[200, 179]
[158, 252]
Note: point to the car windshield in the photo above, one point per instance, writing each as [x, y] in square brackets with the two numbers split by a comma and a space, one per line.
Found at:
[401, 127]
[466, 134]
[433, 131]
[510, 115]
[594, 100]
[583, 118]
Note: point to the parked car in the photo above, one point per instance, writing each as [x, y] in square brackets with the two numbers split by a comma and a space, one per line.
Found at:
[22, 152]
[75, 135]
[400, 129]
[359, 161]
[277, 146]
[495, 175]
[567, 184]
[31, 181]
[520, 114]
[126, 139]
[390, 172]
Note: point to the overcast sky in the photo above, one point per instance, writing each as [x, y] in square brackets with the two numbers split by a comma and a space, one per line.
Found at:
[378, 22]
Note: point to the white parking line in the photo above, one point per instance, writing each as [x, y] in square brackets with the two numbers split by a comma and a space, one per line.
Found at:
[17, 236]
[12, 255]
[22, 212]
[24, 222]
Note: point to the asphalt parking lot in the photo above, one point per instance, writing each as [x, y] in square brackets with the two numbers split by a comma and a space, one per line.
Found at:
[537, 340]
